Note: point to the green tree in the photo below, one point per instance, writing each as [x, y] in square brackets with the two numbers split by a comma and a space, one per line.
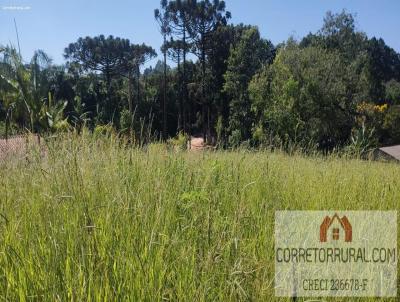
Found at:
[373, 61]
[207, 17]
[392, 89]
[384, 65]
[339, 33]
[163, 19]
[392, 125]
[137, 56]
[175, 49]
[113, 58]
[100, 55]
[181, 13]
[305, 96]
[223, 38]
[246, 57]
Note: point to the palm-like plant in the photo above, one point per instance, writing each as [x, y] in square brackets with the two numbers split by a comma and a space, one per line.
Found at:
[13, 77]
[26, 94]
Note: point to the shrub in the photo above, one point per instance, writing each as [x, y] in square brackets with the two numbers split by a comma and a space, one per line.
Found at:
[180, 142]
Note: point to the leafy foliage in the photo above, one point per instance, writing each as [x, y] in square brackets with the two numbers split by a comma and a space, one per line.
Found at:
[228, 84]
[27, 97]
[246, 58]
[305, 95]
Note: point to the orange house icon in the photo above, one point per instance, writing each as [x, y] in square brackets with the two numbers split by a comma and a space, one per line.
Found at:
[336, 226]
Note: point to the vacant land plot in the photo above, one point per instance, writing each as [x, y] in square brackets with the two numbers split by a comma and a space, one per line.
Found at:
[98, 220]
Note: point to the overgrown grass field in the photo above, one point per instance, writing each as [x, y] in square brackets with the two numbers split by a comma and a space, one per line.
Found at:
[97, 220]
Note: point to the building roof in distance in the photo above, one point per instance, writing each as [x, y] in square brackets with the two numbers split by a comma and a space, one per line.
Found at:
[393, 151]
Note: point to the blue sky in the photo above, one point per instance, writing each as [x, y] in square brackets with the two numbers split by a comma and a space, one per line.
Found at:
[52, 24]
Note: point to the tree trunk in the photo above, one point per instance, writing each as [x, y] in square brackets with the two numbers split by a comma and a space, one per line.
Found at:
[138, 84]
[203, 88]
[108, 99]
[180, 117]
[165, 93]
[130, 94]
[186, 110]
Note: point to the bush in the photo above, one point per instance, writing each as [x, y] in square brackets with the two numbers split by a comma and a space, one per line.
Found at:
[103, 130]
[393, 91]
[180, 142]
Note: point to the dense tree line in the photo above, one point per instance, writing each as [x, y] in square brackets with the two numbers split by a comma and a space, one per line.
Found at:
[333, 88]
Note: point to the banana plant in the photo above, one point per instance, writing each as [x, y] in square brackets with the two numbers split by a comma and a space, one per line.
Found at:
[14, 77]
[51, 115]
[27, 94]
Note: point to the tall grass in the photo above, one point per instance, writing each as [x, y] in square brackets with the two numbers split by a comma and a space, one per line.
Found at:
[97, 220]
